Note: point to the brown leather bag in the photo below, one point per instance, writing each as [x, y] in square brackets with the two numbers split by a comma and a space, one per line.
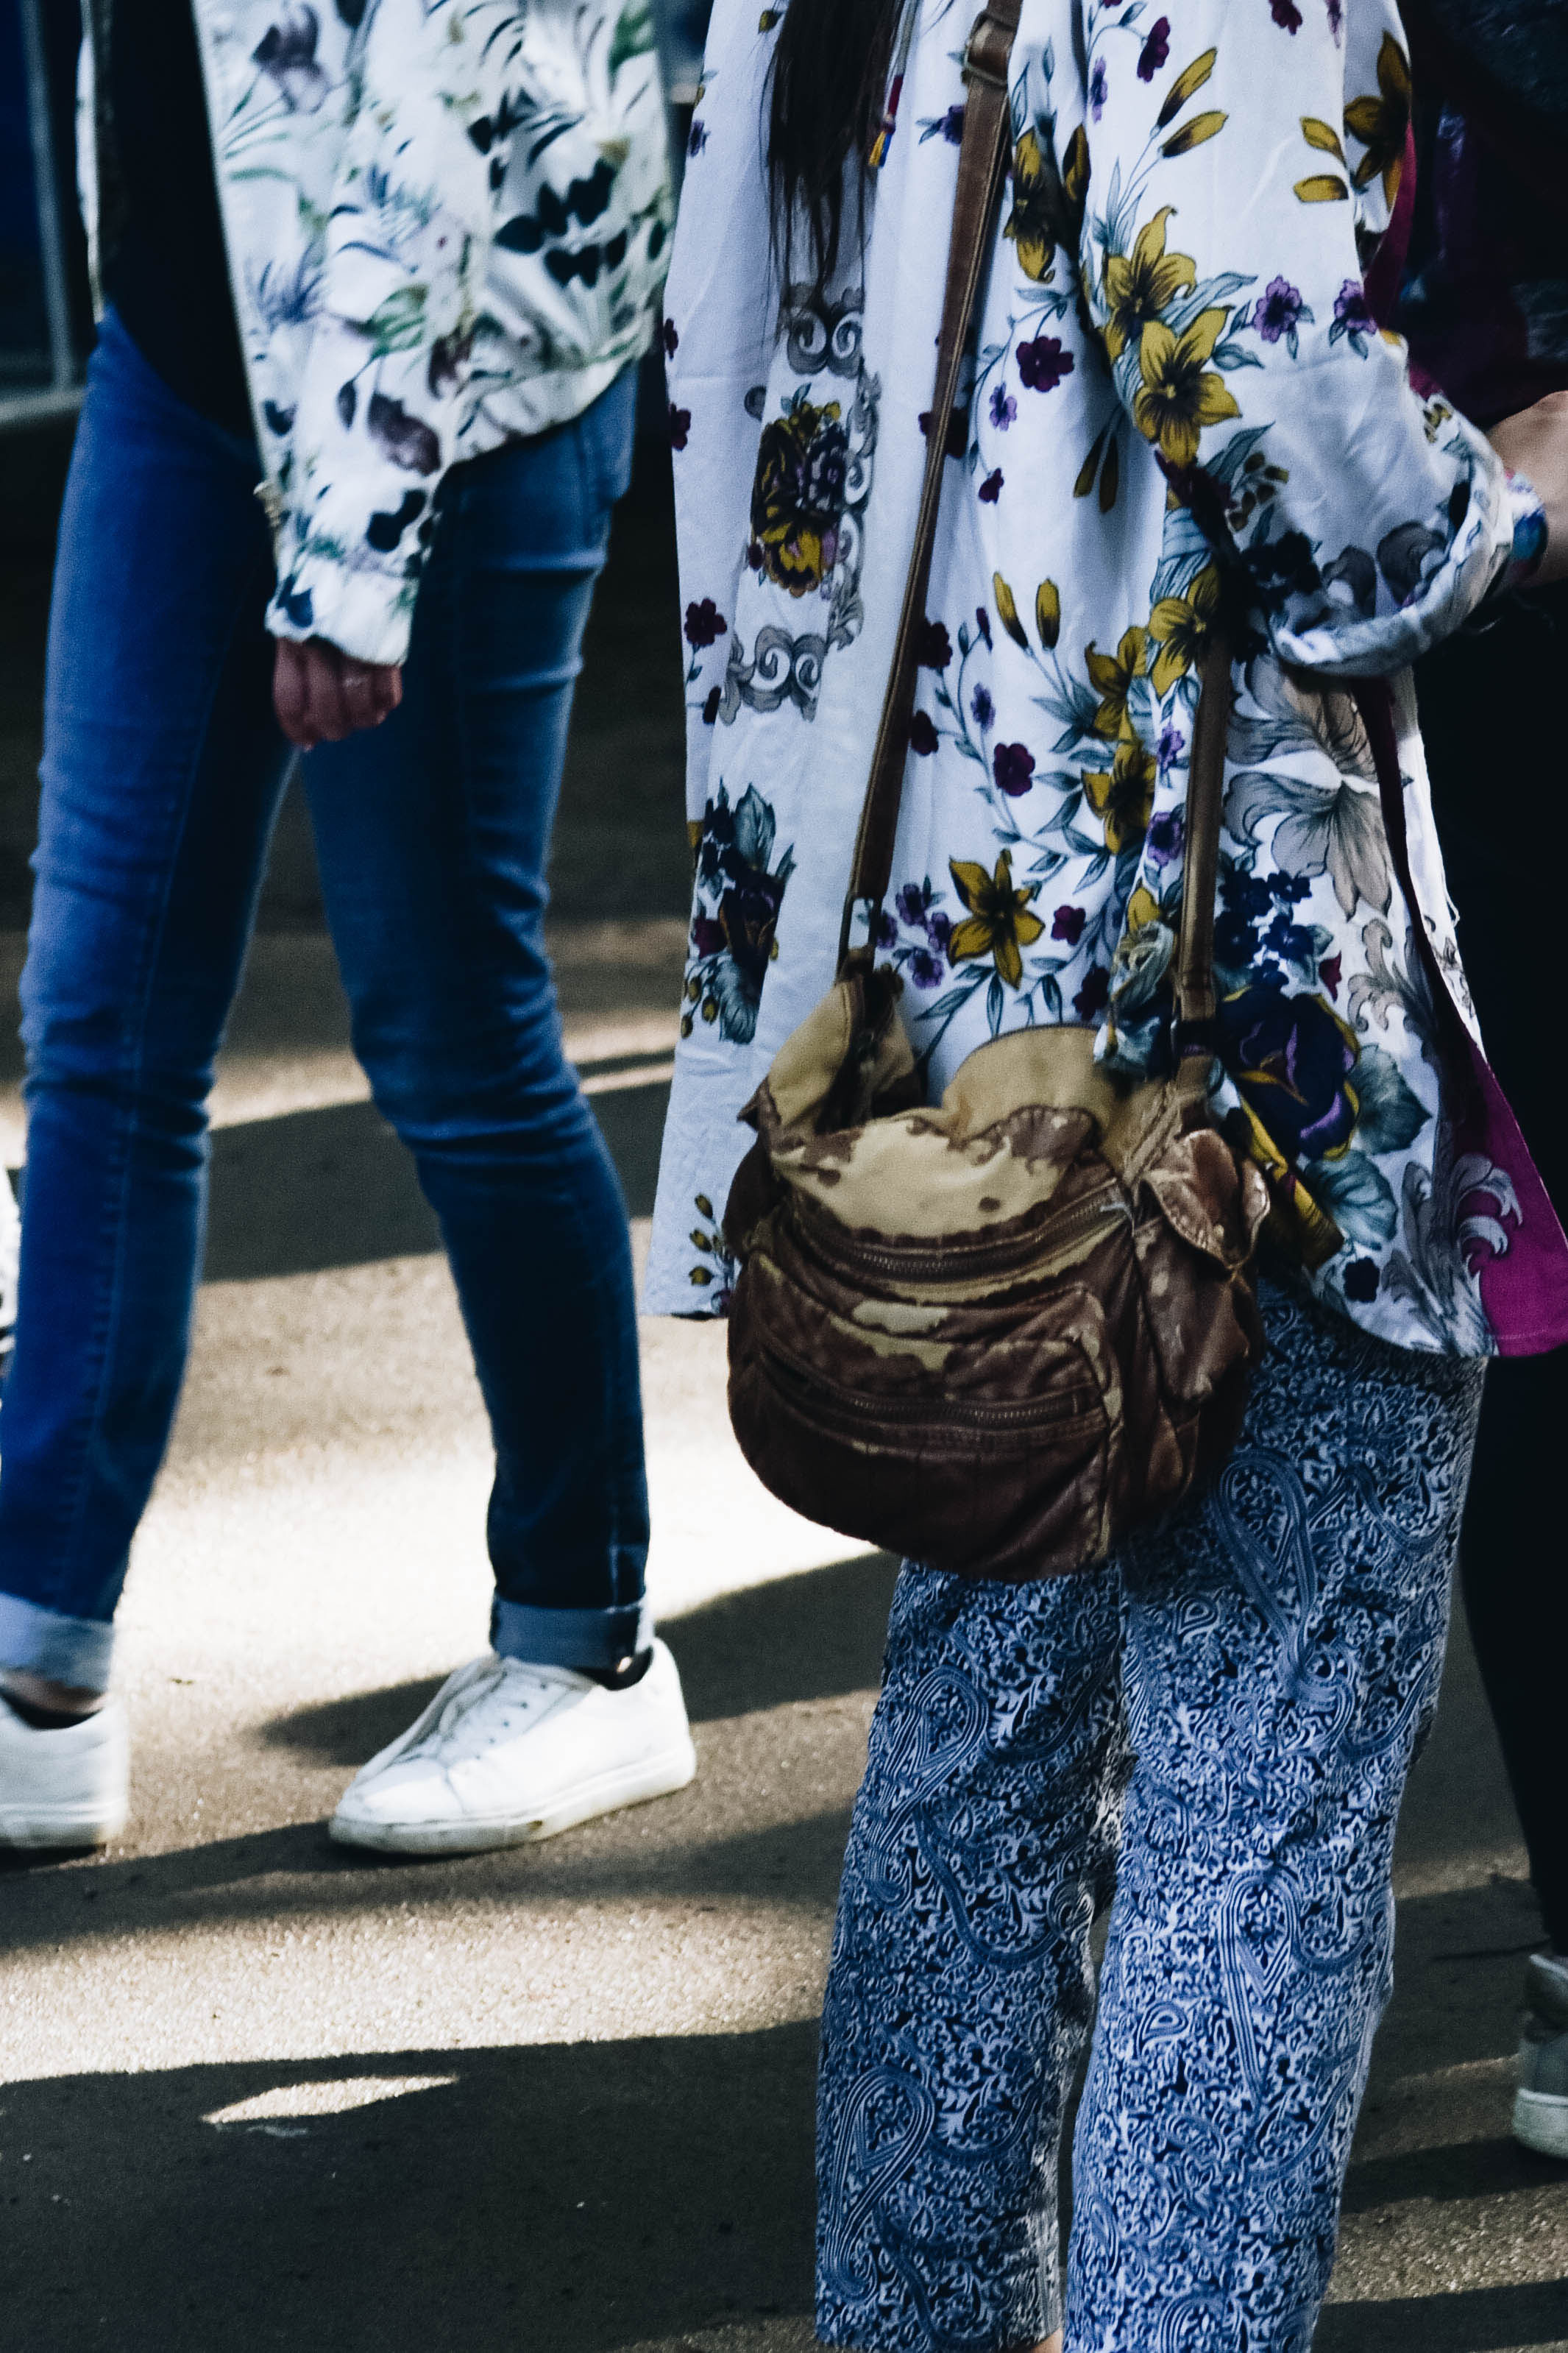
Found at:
[996, 1333]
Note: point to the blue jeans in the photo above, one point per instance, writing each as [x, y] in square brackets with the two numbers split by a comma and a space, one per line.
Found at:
[162, 771]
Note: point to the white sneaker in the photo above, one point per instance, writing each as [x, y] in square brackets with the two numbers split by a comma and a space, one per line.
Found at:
[508, 1752]
[1540, 2104]
[67, 1787]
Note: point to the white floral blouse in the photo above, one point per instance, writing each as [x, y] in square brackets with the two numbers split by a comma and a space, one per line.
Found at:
[447, 224]
[1175, 370]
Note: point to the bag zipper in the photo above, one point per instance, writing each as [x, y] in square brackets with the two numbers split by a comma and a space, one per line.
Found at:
[969, 1259]
[1024, 1413]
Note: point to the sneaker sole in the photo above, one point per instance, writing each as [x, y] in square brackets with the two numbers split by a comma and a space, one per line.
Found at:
[57, 1826]
[1541, 2123]
[606, 1793]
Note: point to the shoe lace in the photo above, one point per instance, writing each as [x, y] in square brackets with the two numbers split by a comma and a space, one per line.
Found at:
[492, 1707]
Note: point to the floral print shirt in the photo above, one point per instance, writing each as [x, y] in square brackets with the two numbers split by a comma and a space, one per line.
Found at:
[447, 223]
[1174, 375]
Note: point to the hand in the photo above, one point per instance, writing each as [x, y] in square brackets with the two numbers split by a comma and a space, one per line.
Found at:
[1535, 442]
[322, 695]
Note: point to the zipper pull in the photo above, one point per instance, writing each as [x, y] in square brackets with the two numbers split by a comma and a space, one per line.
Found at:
[271, 499]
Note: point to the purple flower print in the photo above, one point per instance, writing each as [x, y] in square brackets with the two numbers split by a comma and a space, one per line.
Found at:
[911, 903]
[922, 735]
[1068, 925]
[1013, 766]
[1171, 745]
[1004, 407]
[1094, 995]
[679, 426]
[671, 339]
[1349, 307]
[886, 930]
[984, 710]
[939, 927]
[710, 708]
[705, 624]
[1164, 838]
[1156, 51]
[1042, 363]
[1351, 317]
[1099, 89]
[951, 126]
[697, 138]
[925, 969]
[1336, 19]
[933, 647]
[990, 490]
[1279, 312]
[1286, 14]
[983, 622]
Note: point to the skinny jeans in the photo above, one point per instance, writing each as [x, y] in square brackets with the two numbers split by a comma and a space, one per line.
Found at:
[162, 771]
[1511, 1564]
[1220, 1721]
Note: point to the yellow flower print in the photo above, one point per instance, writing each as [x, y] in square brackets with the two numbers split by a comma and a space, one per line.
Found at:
[1123, 799]
[1180, 627]
[1030, 224]
[1048, 206]
[797, 495]
[1381, 123]
[1112, 677]
[1178, 397]
[1142, 908]
[1007, 611]
[1140, 287]
[998, 924]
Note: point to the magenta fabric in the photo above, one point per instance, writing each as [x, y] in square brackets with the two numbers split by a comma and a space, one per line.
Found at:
[1512, 1238]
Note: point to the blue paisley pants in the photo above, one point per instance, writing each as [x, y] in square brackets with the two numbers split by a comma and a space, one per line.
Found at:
[1220, 1721]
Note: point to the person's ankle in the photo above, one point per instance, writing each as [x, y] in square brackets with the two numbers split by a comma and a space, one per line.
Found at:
[45, 1703]
[624, 1674]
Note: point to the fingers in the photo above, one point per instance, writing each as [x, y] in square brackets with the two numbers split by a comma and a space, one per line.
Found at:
[330, 715]
[290, 693]
[322, 695]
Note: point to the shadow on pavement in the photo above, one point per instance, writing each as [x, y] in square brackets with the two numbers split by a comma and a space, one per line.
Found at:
[815, 1636]
[566, 2199]
[1465, 2320]
[312, 1189]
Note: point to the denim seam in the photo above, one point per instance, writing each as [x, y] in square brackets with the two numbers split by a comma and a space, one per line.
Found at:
[459, 578]
[116, 1217]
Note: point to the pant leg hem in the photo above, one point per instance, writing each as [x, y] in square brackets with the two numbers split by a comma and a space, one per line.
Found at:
[570, 1638]
[40, 1641]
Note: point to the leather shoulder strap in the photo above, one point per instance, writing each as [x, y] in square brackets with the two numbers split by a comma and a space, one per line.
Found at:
[1194, 988]
[981, 165]
[981, 160]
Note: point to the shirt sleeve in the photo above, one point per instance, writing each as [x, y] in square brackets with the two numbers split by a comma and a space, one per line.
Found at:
[1243, 163]
[392, 345]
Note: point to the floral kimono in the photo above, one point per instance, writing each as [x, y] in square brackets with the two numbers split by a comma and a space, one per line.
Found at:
[446, 224]
[1175, 376]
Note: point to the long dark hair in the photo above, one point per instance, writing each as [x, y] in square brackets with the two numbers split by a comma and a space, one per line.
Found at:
[825, 90]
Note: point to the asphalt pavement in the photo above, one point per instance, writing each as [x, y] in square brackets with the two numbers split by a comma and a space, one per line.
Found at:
[255, 2091]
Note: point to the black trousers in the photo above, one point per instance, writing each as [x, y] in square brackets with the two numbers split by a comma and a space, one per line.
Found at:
[1514, 1552]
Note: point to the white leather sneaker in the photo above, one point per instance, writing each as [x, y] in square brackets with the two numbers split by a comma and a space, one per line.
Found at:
[508, 1752]
[67, 1787]
[1540, 2104]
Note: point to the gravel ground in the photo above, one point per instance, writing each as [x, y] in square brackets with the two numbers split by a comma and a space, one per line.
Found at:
[255, 2092]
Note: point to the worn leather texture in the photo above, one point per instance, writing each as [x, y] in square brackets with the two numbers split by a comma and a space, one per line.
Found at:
[996, 1333]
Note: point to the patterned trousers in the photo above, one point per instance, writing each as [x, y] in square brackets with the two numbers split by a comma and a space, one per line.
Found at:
[1220, 1723]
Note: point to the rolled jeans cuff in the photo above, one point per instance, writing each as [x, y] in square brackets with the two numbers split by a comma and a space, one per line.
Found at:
[570, 1638]
[38, 1641]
